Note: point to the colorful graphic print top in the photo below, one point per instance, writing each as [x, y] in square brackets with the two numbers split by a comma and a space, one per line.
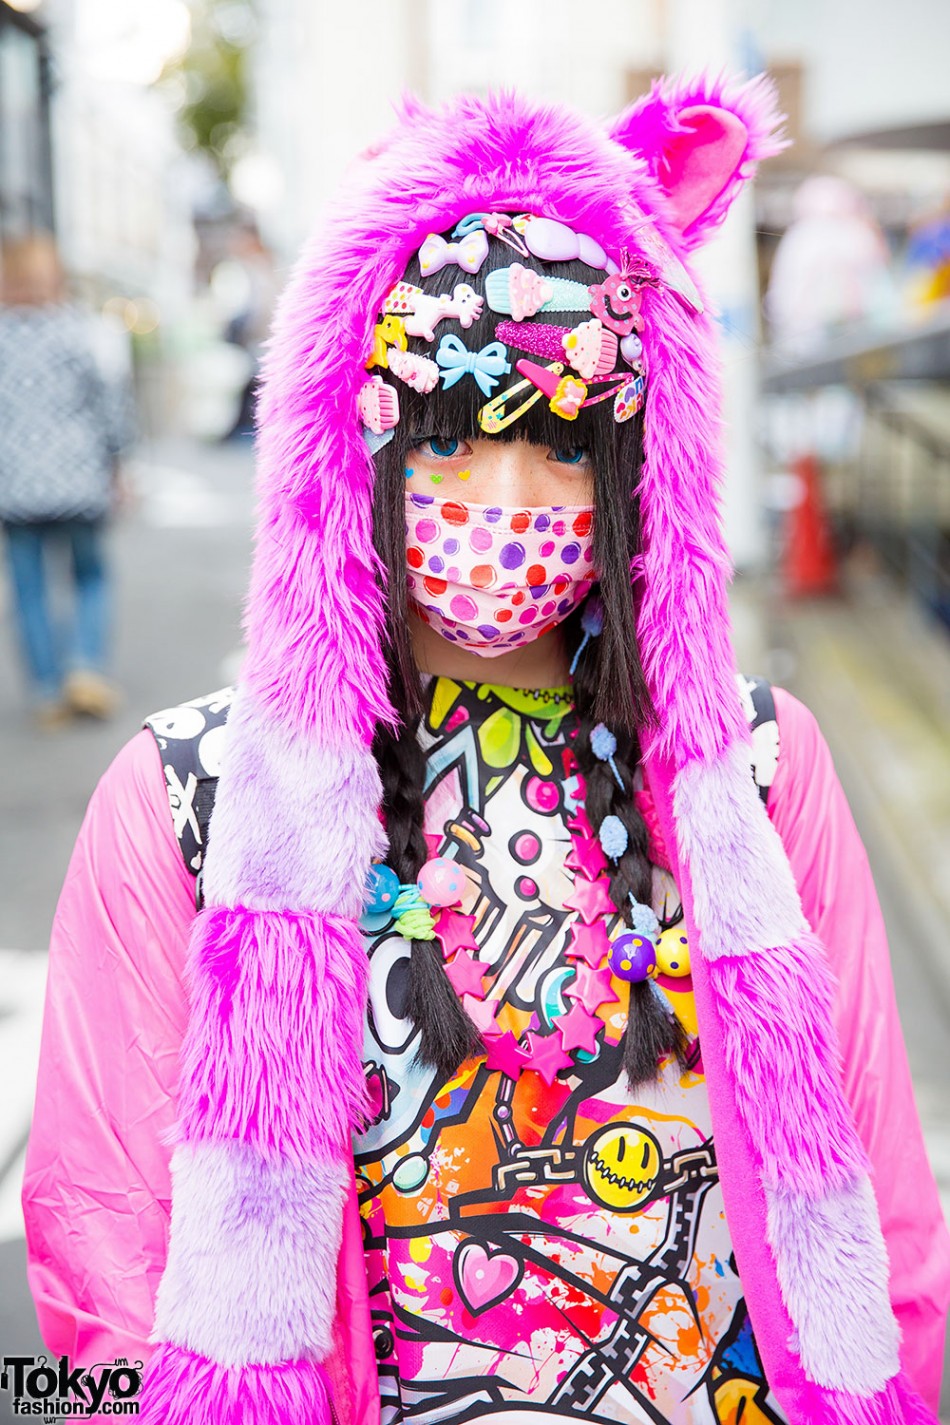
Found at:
[540, 1251]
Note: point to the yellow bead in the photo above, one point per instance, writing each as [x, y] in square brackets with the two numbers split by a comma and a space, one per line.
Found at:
[672, 953]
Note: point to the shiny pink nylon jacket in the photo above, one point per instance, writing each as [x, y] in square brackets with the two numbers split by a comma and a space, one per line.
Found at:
[97, 1190]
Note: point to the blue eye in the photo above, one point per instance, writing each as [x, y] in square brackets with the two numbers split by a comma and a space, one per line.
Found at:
[569, 455]
[444, 449]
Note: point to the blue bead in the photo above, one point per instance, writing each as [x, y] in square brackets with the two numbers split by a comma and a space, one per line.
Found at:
[382, 888]
[632, 957]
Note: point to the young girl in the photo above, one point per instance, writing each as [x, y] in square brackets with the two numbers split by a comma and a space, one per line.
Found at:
[515, 1082]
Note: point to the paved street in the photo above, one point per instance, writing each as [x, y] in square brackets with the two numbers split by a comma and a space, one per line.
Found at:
[181, 556]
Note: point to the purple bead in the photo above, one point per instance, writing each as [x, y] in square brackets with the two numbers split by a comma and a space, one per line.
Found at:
[632, 957]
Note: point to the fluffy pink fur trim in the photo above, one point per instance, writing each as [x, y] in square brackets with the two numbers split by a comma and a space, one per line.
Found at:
[781, 1051]
[273, 1052]
[650, 123]
[180, 1388]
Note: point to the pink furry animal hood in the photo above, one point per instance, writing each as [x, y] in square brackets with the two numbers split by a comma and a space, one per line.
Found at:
[272, 1080]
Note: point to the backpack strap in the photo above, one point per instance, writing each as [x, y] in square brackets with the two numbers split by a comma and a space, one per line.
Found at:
[759, 703]
[190, 738]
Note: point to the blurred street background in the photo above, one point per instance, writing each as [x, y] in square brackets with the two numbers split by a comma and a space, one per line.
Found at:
[180, 150]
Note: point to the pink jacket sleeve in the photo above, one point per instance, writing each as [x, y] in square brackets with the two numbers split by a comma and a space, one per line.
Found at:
[96, 1189]
[810, 813]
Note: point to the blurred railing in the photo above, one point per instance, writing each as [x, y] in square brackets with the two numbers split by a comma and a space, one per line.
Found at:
[894, 494]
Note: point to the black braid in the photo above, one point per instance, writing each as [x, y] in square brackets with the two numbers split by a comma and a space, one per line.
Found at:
[447, 1035]
[652, 1031]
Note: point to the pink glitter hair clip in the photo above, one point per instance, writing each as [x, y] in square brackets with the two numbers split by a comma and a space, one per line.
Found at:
[589, 347]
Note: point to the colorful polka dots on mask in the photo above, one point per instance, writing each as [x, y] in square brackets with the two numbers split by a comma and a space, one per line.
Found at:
[490, 578]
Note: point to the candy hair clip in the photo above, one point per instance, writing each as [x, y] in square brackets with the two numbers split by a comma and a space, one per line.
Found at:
[592, 622]
[417, 371]
[469, 254]
[486, 365]
[493, 418]
[589, 347]
[378, 405]
[551, 241]
[520, 292]
[421, 313]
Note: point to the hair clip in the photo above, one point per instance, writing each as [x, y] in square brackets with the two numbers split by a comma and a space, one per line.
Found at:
[552, 241]
[566, 394]
[389, 332]
[421, 313]
[486, 365]
[629, 399]
[417, 371]
[498, 225]
[492, 417]
[592, 622]
[378, 405]
[589, 347]
[631, 349]
[520, 292]
[617, 303]
[469, 254]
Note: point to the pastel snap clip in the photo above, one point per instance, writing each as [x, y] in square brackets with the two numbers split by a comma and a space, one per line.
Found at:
[632, 957]
[382, 888]
[441, 882]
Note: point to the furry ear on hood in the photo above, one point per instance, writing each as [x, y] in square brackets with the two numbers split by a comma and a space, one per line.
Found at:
[701, 139]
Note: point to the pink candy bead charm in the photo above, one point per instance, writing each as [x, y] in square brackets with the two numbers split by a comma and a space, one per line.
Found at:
[441, 882]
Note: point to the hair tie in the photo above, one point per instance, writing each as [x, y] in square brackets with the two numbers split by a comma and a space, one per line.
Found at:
[413, 914]
[604, 745]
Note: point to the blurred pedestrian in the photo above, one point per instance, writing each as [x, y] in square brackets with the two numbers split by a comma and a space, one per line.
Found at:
[62, 430]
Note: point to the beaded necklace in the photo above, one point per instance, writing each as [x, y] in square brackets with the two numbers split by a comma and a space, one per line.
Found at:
[428, 909]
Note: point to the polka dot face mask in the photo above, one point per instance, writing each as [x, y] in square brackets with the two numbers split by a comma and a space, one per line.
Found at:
[493, 579]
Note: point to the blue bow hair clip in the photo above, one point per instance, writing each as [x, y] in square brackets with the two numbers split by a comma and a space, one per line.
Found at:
[487, 365]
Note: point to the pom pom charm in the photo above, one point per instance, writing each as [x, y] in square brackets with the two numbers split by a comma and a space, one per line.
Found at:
[441, 882]
[603, 744]
[592, 622]
[382, 888]
[613, 837]
[643, 918]
[632, 957]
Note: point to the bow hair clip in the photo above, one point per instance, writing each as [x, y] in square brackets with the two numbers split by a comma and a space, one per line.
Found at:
[589, 347]
[469, 254]
[486, 366]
